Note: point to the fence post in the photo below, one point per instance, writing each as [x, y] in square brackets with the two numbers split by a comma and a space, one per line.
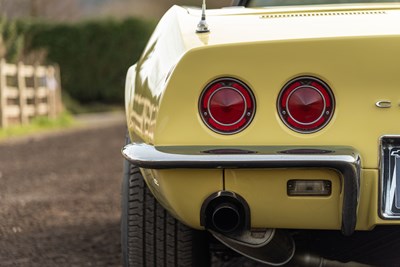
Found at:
[22, 93]
[46, 92]
[3, 118]
[51, 86]
[36, 100]
[59, 105]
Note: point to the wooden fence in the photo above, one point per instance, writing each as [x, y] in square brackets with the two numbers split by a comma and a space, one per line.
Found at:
[27, 92]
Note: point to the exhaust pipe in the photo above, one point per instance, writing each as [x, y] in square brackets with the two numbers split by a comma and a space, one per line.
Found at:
[226, 218]
[225, 212]
[268, 246]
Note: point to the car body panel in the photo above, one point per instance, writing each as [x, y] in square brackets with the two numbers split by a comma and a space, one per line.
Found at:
[265, 192]
[353, 48]
[279, 62]
[183, 192]
[355, 71]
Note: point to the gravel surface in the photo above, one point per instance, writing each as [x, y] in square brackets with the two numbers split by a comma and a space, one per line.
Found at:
[60, 199]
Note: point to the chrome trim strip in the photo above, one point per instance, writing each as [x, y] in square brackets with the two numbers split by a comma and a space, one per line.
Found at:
[345, 160]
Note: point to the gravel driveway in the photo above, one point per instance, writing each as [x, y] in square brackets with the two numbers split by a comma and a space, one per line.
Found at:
[59, 195]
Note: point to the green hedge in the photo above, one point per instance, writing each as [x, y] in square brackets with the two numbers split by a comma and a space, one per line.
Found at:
[93, 56]
[12, 40]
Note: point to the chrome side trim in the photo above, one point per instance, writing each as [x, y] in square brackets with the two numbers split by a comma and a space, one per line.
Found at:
[345, 160]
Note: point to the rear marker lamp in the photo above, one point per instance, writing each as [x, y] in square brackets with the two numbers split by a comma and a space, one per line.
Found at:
[227, 106]
[309, 188]
[306, 104]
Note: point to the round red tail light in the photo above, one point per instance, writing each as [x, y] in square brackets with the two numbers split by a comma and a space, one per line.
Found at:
[227, 106]
[306, 104]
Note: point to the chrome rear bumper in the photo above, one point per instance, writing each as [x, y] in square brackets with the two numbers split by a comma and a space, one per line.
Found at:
[345, 160]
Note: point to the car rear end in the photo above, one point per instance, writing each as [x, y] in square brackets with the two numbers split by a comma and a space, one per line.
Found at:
[286, 120]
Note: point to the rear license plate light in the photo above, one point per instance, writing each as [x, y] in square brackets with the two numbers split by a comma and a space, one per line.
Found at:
[309, 188]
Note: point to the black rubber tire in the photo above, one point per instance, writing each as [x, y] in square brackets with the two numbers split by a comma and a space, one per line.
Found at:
[150, 235]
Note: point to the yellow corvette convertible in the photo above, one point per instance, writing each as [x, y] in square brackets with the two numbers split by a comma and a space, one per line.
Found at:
[269, 129]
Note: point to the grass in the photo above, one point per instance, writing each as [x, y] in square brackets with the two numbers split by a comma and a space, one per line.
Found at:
[38, 125]
[64, 120]
[75, 107]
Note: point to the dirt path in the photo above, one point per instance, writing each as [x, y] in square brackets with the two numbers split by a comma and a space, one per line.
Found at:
[59, 199]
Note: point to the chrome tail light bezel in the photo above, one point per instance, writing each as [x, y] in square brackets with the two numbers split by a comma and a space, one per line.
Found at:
[306, 82]
[242, 89]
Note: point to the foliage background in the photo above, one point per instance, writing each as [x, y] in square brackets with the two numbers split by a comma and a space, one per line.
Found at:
[94, 56]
